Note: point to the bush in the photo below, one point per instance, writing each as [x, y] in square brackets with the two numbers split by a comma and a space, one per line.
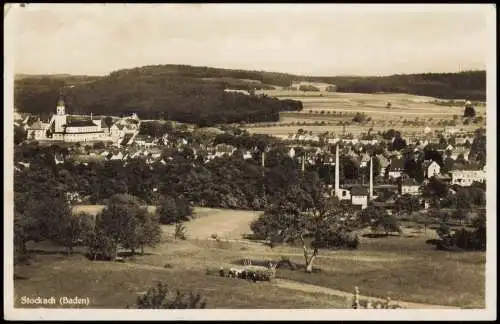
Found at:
[469, 111]
[360, 117]
[180, 231]
[161, 297]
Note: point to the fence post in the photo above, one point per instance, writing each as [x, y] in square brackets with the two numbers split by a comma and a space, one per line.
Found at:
[356, 298]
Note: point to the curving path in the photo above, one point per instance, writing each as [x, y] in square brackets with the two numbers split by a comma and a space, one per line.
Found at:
[294, 285]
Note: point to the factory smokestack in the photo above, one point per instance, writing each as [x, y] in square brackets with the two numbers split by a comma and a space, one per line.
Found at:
[371, 178]
[337, 172]
[303, 163]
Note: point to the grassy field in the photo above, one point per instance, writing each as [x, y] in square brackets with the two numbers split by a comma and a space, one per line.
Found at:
[405, 267]
[116, 285]
[403, 107]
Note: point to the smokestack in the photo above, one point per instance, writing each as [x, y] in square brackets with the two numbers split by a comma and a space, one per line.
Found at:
[337, 171]
[303, 163]
[371, 178]
[263, 158]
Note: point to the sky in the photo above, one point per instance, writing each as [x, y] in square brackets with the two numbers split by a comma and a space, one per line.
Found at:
[307, 39]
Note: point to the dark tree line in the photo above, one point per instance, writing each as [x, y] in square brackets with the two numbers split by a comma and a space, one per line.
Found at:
[151, 96]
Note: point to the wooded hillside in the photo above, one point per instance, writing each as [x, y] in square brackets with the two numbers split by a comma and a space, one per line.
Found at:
[196, 94]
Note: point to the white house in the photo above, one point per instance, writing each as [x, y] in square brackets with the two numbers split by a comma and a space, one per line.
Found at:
[466, 175]
[431, 168]
[359, 196]
[118, 156]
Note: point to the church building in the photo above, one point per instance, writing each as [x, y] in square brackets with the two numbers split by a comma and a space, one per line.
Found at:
[67, 128]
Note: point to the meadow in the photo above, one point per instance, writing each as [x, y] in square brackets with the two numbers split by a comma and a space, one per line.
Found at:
[404, 267]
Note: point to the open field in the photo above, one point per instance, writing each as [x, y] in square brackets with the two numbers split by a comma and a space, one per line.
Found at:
[329, 106]
[116, 285]
[405, 267]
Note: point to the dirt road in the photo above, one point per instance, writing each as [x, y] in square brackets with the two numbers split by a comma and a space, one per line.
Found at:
[289, 284]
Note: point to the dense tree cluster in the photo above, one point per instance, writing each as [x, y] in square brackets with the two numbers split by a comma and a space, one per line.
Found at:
[464, 239]
[308, 87]
[471, 84]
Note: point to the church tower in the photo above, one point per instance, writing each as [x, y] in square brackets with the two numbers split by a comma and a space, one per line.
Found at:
[60, 117]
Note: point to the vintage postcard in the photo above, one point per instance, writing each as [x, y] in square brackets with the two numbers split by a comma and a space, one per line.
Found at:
[249, 161]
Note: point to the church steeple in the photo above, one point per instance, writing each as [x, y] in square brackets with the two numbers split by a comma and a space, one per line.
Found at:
[61, 108]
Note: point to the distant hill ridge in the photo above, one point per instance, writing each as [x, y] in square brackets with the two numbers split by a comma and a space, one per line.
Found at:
[195, 94]
[465, 81]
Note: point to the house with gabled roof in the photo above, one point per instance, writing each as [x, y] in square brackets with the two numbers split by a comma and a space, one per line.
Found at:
[408, 186]
[466, 175]
[431, 168]
[396, 168]
[359, 197]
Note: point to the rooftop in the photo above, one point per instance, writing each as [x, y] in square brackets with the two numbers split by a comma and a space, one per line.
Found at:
[397, 164]
[466, 167]
[359, 191]
[71, 122]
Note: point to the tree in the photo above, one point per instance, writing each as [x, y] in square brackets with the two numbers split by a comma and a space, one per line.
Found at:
[399, 143]
[408, 203]
[19, 134]
[435, 188]
[108, 121]
[99, 145]
[369, 216]
[99, 244]
[149, 230]
[173, 210]
[469, 111]
[376, 168]
[388, 223]
[73, 229]
[119, 221]
[390, 134]
[161, 296]
[300, 213]
[377, 218]
[26, 228]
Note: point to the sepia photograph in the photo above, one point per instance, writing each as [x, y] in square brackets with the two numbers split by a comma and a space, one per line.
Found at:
[249, 161]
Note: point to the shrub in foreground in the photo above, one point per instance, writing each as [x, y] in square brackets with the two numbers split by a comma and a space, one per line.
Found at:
[161, 296]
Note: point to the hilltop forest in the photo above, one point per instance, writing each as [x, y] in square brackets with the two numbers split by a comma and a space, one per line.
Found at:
[196, 94]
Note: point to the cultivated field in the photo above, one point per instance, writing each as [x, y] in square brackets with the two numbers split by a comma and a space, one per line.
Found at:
[405, 267]
[335, 107]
